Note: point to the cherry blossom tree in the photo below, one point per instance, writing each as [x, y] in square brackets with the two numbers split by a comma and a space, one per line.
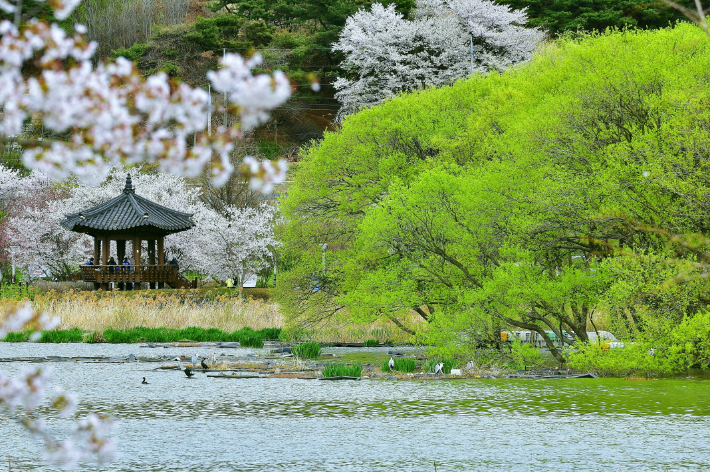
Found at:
[386, 53]
[222, 244]
[111, 115]
[232, 245]
[102, 117]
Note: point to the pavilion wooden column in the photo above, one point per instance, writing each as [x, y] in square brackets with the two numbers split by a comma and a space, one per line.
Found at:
[137, 259]
[151, 259]
[97, 257]
[161, 256]
[121, 253]
[105, 246]
[97, 250]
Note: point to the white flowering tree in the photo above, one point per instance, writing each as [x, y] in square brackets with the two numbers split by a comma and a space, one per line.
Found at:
[222, 244]
[102, 117]
[110, 115]
[386, 53]
[231, 246]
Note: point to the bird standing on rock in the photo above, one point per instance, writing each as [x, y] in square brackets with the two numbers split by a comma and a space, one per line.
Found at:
[391, 363]
[194, 360]
[203, 364]
[439, 368]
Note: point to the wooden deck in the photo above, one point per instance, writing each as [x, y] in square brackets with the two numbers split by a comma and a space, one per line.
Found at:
[120, 274]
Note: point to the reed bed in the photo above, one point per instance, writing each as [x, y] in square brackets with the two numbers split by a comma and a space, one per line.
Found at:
[400, 365]
[342, 370]
[90, 312]
[227, 311]
[307, 350]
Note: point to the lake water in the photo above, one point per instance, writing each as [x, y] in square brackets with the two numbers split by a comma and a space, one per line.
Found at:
[204, 424]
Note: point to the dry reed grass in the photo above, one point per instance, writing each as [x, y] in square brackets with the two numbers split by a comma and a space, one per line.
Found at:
[90, 312]
[98, 311]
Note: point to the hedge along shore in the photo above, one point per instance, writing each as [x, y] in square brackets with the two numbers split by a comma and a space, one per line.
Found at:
[222, 309]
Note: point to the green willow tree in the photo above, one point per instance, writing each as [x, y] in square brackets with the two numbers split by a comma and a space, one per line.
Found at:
[498, 202]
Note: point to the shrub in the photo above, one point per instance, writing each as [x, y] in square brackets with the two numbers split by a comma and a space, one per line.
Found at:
[400, 365]
[342, 370]
[133, 53]
[251, 339]
[524, 354]
[307, 350]
[371, 343]
[270, 333]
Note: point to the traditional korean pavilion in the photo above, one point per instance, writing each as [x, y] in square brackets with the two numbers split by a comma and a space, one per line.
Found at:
[130, 217]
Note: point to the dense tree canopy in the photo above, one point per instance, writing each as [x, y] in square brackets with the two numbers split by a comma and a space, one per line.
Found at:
[558, 16]
[497, 202]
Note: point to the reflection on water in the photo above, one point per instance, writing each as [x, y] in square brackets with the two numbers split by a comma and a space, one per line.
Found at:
[203, 424]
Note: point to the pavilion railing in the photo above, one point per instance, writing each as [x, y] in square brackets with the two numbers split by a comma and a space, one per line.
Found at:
[129, 274]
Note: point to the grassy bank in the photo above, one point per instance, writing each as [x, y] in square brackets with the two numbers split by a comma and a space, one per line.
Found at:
[247, 337]
[215, 310]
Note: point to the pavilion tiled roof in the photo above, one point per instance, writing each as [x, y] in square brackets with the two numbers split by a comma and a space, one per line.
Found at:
[128, 211]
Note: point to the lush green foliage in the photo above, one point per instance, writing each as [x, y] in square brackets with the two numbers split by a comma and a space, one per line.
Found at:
[668, 348]
[342, 370]
[558, 16]
[371, 343]
[307, 350]
[400, 365]
[17, 292]
[498, 202]
[524, 355]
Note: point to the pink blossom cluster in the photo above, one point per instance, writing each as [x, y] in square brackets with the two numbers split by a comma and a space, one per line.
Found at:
[114, 116]
[23, 394]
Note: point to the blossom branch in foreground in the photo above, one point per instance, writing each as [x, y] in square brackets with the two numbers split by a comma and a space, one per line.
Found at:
[23, 394]
[111, 115]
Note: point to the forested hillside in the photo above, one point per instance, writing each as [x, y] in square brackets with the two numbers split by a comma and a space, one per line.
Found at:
[535, 199]
[185, 37]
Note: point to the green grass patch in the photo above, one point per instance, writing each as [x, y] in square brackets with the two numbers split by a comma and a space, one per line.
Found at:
[17, 337]
[75, 335]
[307, 350]
[342, 370]
[247, 337]
[400, 365]
[371, 343]
[448, 365]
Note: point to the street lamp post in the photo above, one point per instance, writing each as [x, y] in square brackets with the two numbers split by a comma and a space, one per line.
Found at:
[324, 246]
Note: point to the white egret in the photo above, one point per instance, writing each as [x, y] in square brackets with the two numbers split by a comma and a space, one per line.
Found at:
[439, 368]
[194, 360]
[391, 363]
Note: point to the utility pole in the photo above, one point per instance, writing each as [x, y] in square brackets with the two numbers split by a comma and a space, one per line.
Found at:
[224, 119]
[324, 246]
[209, 109]
[471, 54]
